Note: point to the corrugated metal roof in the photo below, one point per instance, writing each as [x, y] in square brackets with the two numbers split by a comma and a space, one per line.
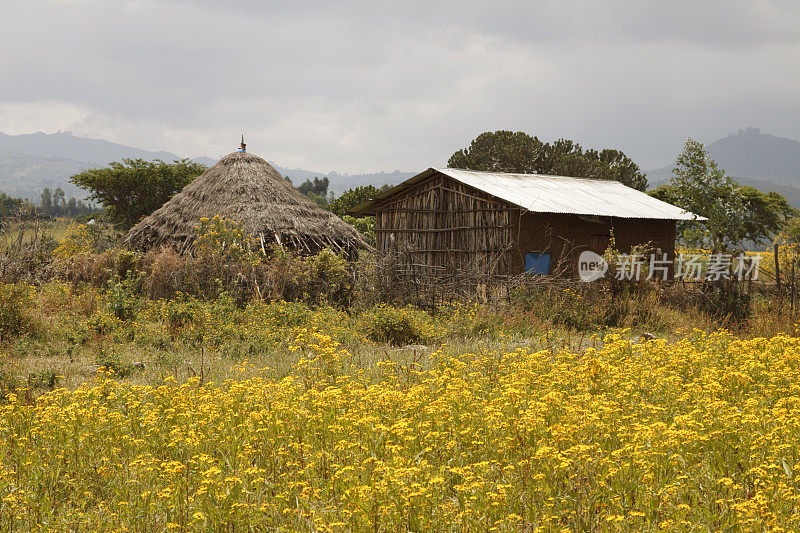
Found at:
[558, 194]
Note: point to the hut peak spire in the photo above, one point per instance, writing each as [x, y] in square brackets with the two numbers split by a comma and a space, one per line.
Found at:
[242, 146]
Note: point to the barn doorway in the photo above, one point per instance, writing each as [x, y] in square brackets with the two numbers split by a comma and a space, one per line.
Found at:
[537, 263]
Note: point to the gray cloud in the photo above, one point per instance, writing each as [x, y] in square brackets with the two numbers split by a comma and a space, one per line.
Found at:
[362, 86]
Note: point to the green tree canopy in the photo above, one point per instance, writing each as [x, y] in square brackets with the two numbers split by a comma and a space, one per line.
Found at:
[317, 187]
[14, 207]
[501, 151]
[135, 188]
[792, 229]
[316, 190]
[768, 213]
[353, 197]
[518, 152]
[55, 204]
[735, 214]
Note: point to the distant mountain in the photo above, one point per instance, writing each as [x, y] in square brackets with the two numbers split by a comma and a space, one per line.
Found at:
[31, 162]
[761, 160]
[64, 145]
[759, 156]
[24, 176]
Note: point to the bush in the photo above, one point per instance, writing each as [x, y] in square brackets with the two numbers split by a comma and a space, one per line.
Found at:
[398, 326]
[44, 379]
[166, 273]
[127, 264]
[573, 307]
[283, 314]
[82, 239]
[16, 317]
[114, 366]
[364, 225]
[27, 256]
[221, 266]
[223, 240]
[122, 299]
[586, 307]
[726, 303]
[326, 278]
[99, 268]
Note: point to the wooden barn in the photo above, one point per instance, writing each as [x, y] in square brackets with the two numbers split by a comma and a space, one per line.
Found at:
[444, 220]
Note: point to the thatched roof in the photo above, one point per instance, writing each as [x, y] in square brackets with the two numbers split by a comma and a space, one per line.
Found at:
[245, 188]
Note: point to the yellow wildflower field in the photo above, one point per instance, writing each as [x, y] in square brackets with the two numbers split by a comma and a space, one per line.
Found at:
[701, 433]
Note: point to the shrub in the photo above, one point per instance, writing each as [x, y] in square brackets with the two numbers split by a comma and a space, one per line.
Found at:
[177, 316]
[126, 263]
[224, 240]
[364, 225]
[27, 256]
[16, 303]
[283, 314]
[398, 326]
[114, 366]
[727, 303]
[469, 319]
[326, 278]
[573, 307]
[166, 273]
[81, 239]
[43, 379]
[282, 276]
[122, 299]
[99, 268]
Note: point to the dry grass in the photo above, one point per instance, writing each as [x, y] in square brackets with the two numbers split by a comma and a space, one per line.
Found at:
[79, 329]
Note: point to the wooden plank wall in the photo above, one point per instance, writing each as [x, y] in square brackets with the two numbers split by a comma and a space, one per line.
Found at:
[439, 226]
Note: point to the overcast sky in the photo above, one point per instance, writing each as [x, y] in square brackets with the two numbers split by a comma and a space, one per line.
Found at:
[367, 86]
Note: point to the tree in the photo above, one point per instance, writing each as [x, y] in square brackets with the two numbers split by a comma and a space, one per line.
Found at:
[59, 202]
[317, 187]
[616, 166]
[518, 152]
[46, 200]
[316, 190]
[135, 188]
[71, 209]
[767, 214]
[735, 214]
[14, 207]
[501, 151]
[353, 197]
[792, 230]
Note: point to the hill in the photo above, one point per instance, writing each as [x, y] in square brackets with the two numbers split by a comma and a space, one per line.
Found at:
[31, 162]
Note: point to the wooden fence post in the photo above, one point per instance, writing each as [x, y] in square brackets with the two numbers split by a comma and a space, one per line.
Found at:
[777, 271]
[791, 298]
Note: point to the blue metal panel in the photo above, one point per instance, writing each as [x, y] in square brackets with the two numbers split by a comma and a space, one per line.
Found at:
[537, 263]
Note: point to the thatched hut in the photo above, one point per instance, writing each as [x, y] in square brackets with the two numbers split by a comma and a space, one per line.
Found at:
[245, 188]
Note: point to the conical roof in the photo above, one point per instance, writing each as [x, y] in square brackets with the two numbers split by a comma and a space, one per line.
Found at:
[245, 188]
